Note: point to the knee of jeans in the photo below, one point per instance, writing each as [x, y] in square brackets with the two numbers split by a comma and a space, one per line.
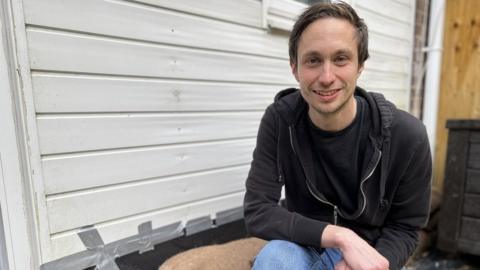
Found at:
[275, 248]
[279, 253]
[329, 258]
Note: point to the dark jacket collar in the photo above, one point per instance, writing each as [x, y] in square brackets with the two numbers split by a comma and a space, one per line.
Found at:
[291, 106]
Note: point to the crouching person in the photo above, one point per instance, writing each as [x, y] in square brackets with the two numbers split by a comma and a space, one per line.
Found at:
[356, 170]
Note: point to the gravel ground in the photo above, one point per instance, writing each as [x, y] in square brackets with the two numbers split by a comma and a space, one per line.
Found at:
[437, 260]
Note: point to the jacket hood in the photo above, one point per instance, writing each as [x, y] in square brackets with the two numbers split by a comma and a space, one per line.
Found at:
[291, 106]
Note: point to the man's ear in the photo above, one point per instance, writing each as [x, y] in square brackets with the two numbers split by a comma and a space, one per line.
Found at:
[294, 70]
[360, 69]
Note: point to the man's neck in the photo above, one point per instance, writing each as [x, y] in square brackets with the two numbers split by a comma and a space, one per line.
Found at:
[334, 121]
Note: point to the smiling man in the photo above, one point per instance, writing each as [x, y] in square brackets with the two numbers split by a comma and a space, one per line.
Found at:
[356, 169]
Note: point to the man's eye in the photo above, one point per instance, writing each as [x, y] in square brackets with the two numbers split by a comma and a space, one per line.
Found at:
[341, 60]
[313, 61]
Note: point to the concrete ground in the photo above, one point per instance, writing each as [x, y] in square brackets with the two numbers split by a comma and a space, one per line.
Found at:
[438, 260]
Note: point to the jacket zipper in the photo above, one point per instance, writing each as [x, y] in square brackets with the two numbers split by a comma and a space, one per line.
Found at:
[365, 179]
[291, 139]
[336, 211]
[335, 208]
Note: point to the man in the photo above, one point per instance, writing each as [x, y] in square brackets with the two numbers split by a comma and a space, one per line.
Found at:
[356, 170]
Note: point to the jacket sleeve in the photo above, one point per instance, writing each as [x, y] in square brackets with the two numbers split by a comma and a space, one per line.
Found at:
[409, 210]
[264, 217]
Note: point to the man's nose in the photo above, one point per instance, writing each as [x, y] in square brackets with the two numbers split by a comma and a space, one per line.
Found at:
[326, 76]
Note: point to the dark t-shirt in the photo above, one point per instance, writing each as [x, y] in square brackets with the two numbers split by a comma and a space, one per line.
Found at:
[340, 157]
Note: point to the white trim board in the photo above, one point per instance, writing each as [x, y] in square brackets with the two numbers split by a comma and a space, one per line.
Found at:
[15, 197]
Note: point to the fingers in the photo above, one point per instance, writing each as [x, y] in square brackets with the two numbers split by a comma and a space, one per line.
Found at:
[359, 255]
[341, 265]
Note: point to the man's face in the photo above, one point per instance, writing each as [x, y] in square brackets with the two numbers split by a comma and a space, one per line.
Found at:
[327, 66]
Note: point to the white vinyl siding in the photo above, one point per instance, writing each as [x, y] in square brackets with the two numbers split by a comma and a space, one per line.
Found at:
[391, 29]
[148, 110]
[391, 26]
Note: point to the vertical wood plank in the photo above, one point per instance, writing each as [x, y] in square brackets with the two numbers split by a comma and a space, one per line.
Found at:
[471, 206]
[469, 241]
[470, 230]
[460, 83]
[474, 156]
[452, 204]
[473, 182]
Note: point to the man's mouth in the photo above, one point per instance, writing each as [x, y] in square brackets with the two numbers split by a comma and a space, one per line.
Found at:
[326, 93]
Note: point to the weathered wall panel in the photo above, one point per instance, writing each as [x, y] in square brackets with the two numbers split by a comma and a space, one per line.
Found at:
[147, 110]
[68, 211]
[144, 23]
[73, 133]
[68, 242]
[460, 83]
[61, 93]
[100, 55]
[391, 26]
[66, 173]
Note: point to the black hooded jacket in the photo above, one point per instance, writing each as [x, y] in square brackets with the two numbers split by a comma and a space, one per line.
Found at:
[394, 192]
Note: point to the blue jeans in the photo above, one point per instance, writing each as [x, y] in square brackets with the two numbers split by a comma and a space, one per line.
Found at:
[280, 254]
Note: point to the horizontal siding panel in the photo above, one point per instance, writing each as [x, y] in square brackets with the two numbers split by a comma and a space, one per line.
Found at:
[89, 54]
[74, 133]
[387, 63]
[140, 22]
[384, 25]
[281, 14]
[240, 11]
[60, 93]
[397, 97]
[408, 3]
[286, 8]
[384, 80]
[394, 86]
[69, 93]
[390, 10]
[75, 172]
[69, 212]
[389, 46]
[65, 93]
[69, 243]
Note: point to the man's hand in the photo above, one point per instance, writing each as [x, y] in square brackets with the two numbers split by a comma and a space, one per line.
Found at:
[357, 253]
[342, 265]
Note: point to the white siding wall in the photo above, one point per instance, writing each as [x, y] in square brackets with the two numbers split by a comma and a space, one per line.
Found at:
[391, 26]
[148, 110]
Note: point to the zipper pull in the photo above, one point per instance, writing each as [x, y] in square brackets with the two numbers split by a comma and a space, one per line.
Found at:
[291, 139]
[335, 214]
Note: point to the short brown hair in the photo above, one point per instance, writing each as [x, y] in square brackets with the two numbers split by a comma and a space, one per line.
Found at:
[340, 10]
